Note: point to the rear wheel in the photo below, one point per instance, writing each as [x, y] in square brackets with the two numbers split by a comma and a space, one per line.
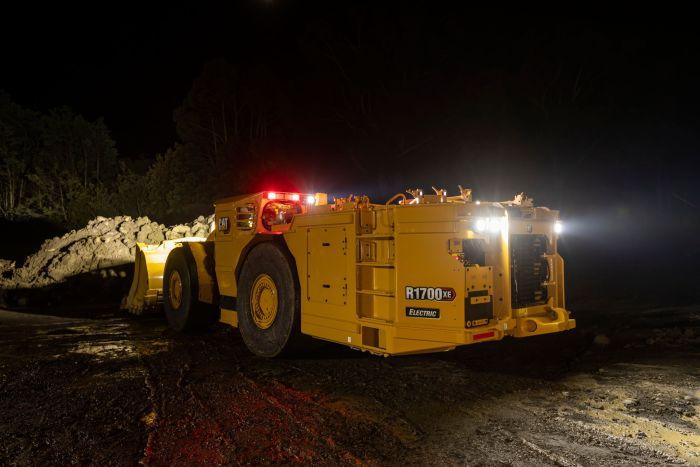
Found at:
[180, 294]
[269, 309]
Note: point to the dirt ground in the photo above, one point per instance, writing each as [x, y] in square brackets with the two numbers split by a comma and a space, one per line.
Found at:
[102, 387]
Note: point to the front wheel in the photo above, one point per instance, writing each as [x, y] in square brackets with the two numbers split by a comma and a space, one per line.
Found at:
[269, 308]
[181, 303]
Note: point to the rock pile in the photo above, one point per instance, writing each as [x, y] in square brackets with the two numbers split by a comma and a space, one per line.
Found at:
[102, 244]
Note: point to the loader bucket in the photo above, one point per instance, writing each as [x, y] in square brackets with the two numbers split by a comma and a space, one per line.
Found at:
[147, 286]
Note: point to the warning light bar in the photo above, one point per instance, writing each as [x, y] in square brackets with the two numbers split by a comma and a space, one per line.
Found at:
[283, 196]
[274, 195]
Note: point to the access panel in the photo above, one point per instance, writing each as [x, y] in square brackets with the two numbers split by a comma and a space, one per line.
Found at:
[327, 256]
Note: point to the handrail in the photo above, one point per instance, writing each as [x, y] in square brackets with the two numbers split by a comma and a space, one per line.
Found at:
[395, 197]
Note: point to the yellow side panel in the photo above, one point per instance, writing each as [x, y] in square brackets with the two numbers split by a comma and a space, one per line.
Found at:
[323, 219]
[239, 216]
[227, 252]
[323, 247]
[327, 278]
[203, 254]
[427, 227]
[422, 261]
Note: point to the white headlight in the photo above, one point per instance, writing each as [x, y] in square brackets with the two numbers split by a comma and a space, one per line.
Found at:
[558, 227]
[490, 224]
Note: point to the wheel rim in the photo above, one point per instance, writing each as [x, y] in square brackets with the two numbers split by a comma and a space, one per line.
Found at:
[263, 301]
[175, 290]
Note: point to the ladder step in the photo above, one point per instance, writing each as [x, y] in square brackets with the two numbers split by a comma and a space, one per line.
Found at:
[368, 320]
[374, 264]
[383, 293]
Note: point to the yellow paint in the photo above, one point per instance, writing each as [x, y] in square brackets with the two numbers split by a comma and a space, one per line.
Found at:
[355, 260]
[203, 255]
[147, 285]
[175, 290]
[229, 317]
[263, 301]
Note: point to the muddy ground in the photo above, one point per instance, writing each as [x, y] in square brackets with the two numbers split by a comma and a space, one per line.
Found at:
[101, 387]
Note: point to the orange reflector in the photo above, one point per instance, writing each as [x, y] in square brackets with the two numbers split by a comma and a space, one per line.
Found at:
[483, 335]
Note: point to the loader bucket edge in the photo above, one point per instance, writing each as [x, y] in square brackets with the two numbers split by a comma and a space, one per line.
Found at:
[147, 285]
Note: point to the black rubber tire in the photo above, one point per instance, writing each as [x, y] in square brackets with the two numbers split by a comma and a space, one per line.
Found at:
[191, 315]
[284, 334]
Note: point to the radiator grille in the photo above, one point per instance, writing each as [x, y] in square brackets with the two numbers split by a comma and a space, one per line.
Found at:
[528, 270]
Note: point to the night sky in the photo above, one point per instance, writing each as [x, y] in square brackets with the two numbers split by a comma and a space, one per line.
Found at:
[596, 118]
[133, 66]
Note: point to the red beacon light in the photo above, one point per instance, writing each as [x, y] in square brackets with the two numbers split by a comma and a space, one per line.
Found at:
[273, 195]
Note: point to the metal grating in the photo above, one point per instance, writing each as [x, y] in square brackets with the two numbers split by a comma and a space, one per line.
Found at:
[529, 270]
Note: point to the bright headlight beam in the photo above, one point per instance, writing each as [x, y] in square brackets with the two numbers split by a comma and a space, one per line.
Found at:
[558, 227]
[490, 224]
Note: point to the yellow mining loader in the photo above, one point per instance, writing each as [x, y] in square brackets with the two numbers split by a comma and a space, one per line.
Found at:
[421, 273]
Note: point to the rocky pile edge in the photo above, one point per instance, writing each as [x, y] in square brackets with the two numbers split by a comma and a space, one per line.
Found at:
[104, 249]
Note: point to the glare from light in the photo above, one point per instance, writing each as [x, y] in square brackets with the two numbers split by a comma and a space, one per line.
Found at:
[294, 196]
[272, 195]
[558, 227]
[478, 202]
[490, 224]
[310, 199]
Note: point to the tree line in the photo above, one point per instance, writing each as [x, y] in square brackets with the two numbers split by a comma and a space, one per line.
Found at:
[55, 165]
[60, 167]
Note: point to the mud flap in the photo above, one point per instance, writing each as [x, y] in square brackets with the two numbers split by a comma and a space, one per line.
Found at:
[478, 308]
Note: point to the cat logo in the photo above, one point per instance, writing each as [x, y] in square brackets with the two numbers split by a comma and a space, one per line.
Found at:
[223, 225]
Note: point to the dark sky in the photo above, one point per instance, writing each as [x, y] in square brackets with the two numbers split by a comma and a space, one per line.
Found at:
[133, 65]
